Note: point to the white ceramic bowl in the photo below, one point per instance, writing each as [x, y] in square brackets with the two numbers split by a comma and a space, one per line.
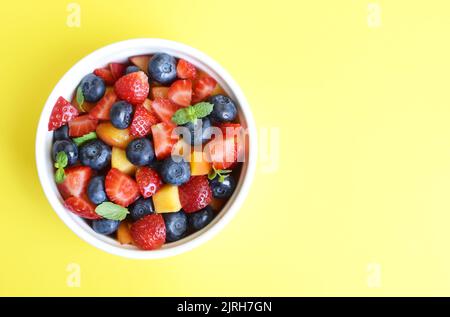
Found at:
[119, 52]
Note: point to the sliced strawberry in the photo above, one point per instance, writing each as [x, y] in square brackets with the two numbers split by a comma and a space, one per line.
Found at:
[142, 121]
[75, 182]
[62, 113]
[117, 70]
[223, 152]
[103, 106]
[195, 194]
[180, 92]
[235, 130]
[160, 92]
[141, 61]
[148, 181]
[82, 207]
[185, 70]
[149, 232]
[203, 87]
[132, 87]
[164, 109]
[106, 75]
[121, 188]
[82, 125]
[163, 140]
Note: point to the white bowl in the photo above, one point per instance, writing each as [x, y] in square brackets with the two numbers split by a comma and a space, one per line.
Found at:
[119, 52]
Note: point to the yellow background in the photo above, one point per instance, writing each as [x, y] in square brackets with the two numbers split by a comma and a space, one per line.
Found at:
[364, 174]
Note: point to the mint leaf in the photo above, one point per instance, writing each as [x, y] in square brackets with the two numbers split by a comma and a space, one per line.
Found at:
[80, 98]
[221, 173]
[87, 137]
[202, 109]
[60, 175]
[61, 160]
[111, 211]
[212, 174]
[192, 113]
[181, 116]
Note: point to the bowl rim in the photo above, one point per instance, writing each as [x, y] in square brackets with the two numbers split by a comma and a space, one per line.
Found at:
[228, 211]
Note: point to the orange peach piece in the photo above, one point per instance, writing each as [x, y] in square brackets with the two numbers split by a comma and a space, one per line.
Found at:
[113, 136]
[141, 61]
[217, 204]
[123, 233]
[199, 164]
[86, 106]
[160, 92]
[120, 161]
[167, 199]
[218, 90]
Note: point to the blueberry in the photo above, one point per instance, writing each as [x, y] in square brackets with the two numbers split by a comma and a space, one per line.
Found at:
[95, 154]
[175, 171]
[176, 225]
[222, 189]
[224, 108]
[68, 147]
[199, 131]
[105, 226]
[132, 69]
[61, 133]
[96, 190]
[141, 207]
[93, 88]
[162, 68]
[140, 151]
[121, 114]
[200, 219]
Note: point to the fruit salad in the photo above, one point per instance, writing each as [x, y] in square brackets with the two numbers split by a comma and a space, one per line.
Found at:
[148, 151]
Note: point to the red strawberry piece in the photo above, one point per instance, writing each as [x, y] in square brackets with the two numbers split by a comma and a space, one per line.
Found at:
[103, 106]
[185, 70]
[75, 182]
[234, 130]
[149, 232]
[203, 87]
[195, 194]
[62, 113]
[132, 88]
[82, 125]
[148, 181]
[163, 140]
[180, 92]
[142, 121]
[164, 109]
[106, 75]
[117, 70]
[81, 206]
[121, 188]
[223, 152]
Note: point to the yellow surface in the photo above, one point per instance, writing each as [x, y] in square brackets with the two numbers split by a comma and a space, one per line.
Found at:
[360, 203]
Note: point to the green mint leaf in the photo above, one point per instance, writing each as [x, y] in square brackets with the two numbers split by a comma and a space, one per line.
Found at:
[80, 98]
[111, 211]
[181, 116]
[60, 175]
[87, 137]
[192, 113]
[202, 109]
[222, 178]
[61, 160]
[212, 174]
